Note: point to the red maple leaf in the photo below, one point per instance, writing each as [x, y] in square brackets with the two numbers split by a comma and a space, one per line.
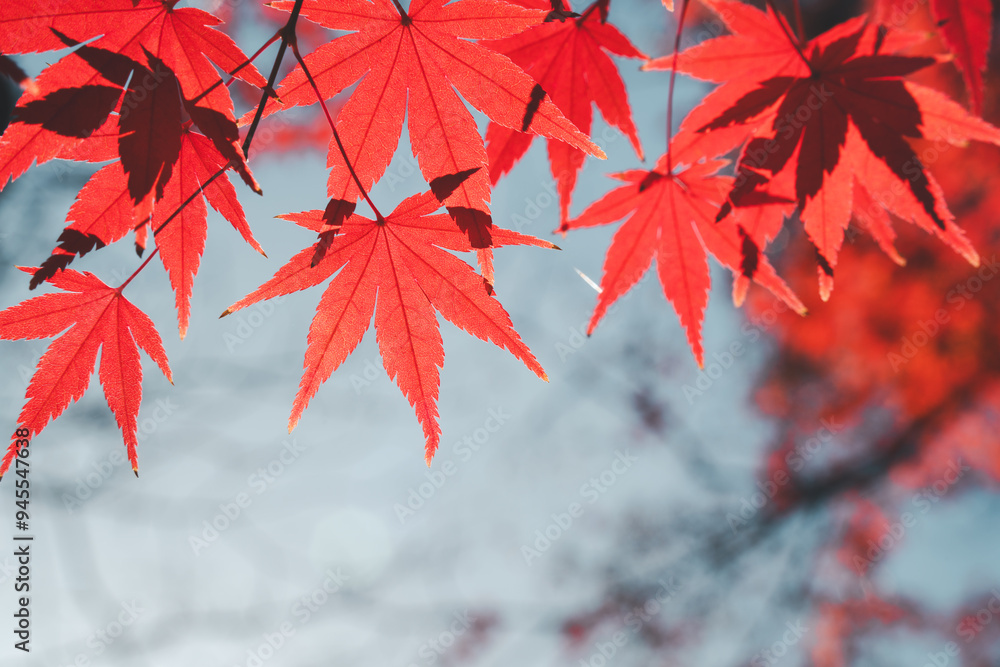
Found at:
[410, 63]
[68, 105]
[570, 60]
[965, 25]
[756, 50]
[840, 106]
[671, 217]
[75, 95]
[184, 39]
[181, 241]
[399, 270]
[93, 317]
[103, 213]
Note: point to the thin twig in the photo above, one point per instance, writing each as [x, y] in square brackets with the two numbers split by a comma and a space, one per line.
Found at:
[333, 128]
[791, 39]
[146, 261]
[177, 211]
[232, 75]
[799, 23]
[673, 83]
[288, 33]
[289, 29]
[588, 11]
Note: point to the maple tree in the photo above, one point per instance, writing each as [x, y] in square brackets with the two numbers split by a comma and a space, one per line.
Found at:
[145, 90]
[846, 130]
[901, 364]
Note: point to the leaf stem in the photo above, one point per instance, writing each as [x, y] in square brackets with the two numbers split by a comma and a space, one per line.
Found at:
[791, 39]
[173, 215]
[275, 37]
[333, 128]
[232, 75]
[288, 29]
[673, 83]
[799, 23]
[589, 10]
[143, 265]
[190, 199]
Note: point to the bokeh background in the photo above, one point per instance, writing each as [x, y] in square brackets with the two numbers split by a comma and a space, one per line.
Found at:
[755, 514]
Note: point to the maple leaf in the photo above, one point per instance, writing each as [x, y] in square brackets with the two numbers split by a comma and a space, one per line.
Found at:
[93, 317]
[103, 213]
[71, 98]
[671, 217]
[840, 105]
[185, 39]
[410, 64]
[758, 49]
[399, 270]
[967, 27]
[150, 121]
[182, 241]
[69, 104]
[163, 165]
[569, 59]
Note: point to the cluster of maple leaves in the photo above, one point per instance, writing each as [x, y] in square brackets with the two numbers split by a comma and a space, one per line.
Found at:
[824, 128]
